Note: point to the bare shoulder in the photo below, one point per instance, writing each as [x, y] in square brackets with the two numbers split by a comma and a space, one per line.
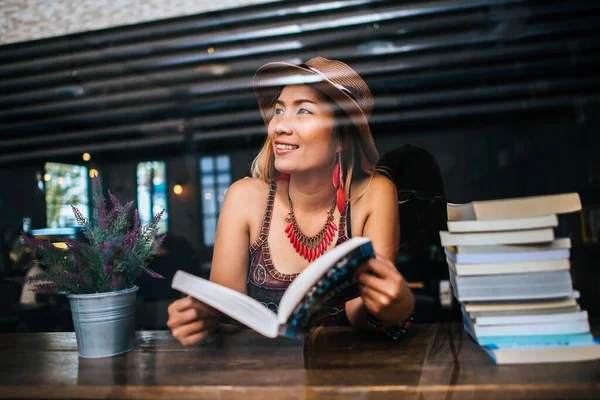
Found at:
[376, 190]
[374, 207]
[247, 192]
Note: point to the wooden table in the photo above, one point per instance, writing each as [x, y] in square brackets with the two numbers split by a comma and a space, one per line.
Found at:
[333, 363]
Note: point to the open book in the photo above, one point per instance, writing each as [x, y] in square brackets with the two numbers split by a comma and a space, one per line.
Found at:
[325, 283]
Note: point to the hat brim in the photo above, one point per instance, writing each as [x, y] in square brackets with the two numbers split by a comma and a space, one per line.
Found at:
[270, 79]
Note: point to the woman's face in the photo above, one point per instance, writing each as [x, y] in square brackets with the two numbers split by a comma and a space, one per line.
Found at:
[301, 130]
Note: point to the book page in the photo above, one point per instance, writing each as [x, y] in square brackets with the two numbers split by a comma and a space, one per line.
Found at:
[313, 272]
[508, 224]
[557, 244]
[239, 306]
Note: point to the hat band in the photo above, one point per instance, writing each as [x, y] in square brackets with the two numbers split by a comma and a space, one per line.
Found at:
[337, 85]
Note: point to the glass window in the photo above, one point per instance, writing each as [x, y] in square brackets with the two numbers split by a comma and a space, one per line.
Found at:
[65, 185]
[215, 178]
[152, 192]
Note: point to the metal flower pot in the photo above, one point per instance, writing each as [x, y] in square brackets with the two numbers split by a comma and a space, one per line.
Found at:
[104, 322]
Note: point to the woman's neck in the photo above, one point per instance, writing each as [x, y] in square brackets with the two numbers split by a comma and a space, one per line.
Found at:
[310, 192]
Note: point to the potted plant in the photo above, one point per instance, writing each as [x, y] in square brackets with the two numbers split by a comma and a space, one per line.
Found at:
[98, 274]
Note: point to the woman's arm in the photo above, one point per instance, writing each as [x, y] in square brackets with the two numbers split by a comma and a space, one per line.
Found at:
[230, 255]
[190, 320]
[384, 292]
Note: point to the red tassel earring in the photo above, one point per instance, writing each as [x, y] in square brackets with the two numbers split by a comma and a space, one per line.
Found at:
[338, 182]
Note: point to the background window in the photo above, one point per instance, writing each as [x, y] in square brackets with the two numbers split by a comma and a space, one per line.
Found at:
[152, 192]
[215, 179]
[65, 185]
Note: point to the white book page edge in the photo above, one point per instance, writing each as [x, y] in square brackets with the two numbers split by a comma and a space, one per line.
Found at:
[494, 258]
[544, 354]
[526, 267]
[531, 319]
[495, 225]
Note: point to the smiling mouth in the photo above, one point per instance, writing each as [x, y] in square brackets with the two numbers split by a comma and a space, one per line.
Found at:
[286, 146]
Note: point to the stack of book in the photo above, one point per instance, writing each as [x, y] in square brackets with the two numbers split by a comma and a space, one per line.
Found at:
[511, 276]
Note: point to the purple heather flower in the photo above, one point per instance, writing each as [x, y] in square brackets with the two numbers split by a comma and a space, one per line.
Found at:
[128, 206]
[158, 241]
[129, 241]
[115, 202]
[33, 242]
[75, 277]
[45, 288]
[101, 208]
[76, 249]
[153, 274]
[155, 220]
[136, 220]
[79, 216]
[107, 269]
[154, 232]
[157, 217]
[116, 281]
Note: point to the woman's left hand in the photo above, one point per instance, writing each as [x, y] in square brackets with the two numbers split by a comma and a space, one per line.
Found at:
[383, 290]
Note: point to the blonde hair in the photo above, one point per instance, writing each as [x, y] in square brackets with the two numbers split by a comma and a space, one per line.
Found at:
[355, 163]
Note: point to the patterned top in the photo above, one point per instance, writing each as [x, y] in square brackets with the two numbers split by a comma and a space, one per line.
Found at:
[265, 283]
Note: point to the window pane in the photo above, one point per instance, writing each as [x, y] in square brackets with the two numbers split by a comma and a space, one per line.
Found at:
[221, 190]
[152, 192]
[159, 179]
[144, 204]
[223, 164]
[66, 185]
[209, 203]
[214, 184]
[160, 204]
[224, 179]
[143, 174]
[208, 181]
[210, 228]
[163, 224]
[206, 165]
[144, 170]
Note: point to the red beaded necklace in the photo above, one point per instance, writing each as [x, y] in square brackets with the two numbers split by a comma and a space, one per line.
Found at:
[310, 247]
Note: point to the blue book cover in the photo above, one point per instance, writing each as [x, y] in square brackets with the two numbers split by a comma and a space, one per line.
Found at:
[336, 286]
[505, 342]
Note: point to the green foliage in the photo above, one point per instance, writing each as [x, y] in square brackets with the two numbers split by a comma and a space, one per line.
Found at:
[114, 253]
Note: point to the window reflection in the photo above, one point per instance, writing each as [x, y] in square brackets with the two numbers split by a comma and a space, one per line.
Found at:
[65, 185]
[152, 192]
[215, 179]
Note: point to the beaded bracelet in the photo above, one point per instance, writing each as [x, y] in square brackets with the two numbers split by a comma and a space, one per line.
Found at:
[393, 332]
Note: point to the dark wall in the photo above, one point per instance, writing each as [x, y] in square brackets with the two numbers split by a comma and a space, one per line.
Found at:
[511, 159]
[167, 85]
[20, 196]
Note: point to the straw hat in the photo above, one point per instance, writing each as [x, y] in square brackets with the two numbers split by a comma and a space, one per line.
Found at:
[336, 79]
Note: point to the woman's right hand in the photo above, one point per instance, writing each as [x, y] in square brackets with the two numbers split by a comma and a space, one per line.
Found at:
[191, 321]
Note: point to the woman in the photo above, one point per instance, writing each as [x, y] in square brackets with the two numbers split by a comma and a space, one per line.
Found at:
[317, 166]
